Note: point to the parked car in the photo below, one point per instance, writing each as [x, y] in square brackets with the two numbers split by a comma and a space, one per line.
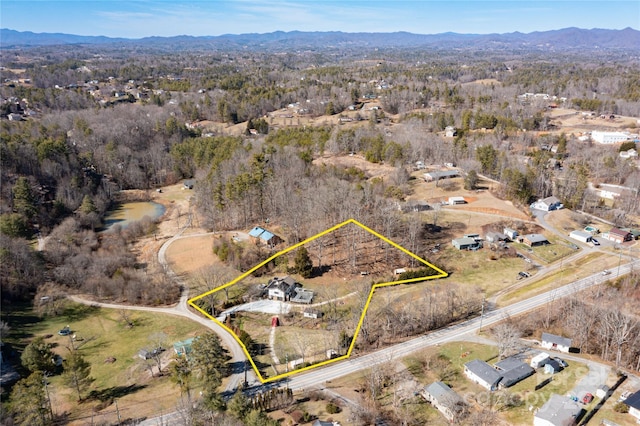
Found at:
[587, 398]
[523, 274]
[606, 272]
[65, 331]
[595, 242]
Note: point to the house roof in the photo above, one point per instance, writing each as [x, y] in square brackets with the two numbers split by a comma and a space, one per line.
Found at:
[255, 232]
[581, 234]
[442, 174]
[559, 410]
[514, 375]
[619, 232]
[483, 370]
[266, 235]
[508, 363]
[535, 238]
[442, 393]
[558, 340]
[633, 400]
[551, 200]
[284, 284]
[552, 363]
[464, 241]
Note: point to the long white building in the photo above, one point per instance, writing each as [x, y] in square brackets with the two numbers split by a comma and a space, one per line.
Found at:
[610, 137]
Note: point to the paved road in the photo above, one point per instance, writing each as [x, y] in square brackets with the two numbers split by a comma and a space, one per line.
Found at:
[333, 371]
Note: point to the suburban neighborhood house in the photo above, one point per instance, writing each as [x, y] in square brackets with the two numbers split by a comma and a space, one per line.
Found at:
[618, 235]
[633, 402]
[558, 411]
[445, 174]
[547, 204]
[582, 236]
[559, 343]
[466, 243]
[266, 237]
[446, 400]
[513, 371]
[483, 374]
[287, 289]
[534, 240]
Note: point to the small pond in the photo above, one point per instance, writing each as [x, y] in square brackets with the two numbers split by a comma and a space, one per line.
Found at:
[126, 213]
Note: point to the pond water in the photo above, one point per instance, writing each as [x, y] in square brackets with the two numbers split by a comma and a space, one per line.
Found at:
[127, 213]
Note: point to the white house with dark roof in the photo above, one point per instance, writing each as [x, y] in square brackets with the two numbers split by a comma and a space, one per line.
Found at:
[559, 410]
[547, 204]
[483, 374]
[558, 343]
[446, 400]
[513, 370]
[281, 288]
[633, 402]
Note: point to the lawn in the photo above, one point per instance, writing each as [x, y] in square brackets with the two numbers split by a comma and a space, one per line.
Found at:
[561, 384]
[102, 334]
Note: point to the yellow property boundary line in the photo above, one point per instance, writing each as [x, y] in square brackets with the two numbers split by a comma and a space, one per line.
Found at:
[440, 274]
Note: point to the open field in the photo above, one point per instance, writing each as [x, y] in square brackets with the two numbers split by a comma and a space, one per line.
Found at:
[102, 334]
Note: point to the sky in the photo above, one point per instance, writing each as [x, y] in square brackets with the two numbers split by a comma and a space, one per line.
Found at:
[137, 19]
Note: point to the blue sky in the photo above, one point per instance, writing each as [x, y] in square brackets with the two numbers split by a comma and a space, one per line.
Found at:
[135, 19]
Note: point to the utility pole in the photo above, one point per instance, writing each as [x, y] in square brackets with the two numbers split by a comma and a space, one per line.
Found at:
[46, 389]
[117, 411]
[481, 314]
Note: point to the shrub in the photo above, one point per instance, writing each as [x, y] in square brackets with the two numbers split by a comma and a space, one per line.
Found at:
[333, 408]
[621, 407]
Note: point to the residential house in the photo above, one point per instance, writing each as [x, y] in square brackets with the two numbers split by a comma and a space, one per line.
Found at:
[266, 237]
[414, 206]
[558, 343]
[582, 236]
[483, 374]
[446, 400]
[466, 243]
[559, 410]
[513, 370]
[534, 240]
[547, 204]
[633, 402]
[443, 174]
[281, 288]
[610, 137]
[618, 235]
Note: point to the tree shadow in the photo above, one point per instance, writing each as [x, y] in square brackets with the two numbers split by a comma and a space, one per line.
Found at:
[77, 312]
[114, 392]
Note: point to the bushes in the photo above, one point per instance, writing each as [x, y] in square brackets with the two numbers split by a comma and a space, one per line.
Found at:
[332, 408]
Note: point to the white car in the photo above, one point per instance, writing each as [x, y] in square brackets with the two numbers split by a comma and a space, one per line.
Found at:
[606, 272]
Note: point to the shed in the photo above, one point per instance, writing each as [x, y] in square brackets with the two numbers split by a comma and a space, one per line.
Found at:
[559, 343]
[511, 233]
[602, 391]
[494, 237]
[184, 347]
[188, 184]
[552, 366]
[456, 200]
[539, 360]
[312, 313]
[582, 236]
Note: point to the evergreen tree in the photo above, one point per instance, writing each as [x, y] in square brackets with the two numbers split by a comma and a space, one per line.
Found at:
[37, 356]
[180, 371]
[209, 359]
[239, 406]
[29, 401]
[24, 201]
[76, 373]
[303, 263]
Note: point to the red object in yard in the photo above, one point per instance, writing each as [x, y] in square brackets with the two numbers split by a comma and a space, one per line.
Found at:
[587, 398]
[275, 322]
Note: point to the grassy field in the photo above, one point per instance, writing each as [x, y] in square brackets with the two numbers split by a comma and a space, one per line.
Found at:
[102, 334]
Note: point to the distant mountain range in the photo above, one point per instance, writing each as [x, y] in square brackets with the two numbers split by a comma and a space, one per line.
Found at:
[567, 38]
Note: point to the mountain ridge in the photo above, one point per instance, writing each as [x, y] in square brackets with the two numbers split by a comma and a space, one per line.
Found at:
[565, 38]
